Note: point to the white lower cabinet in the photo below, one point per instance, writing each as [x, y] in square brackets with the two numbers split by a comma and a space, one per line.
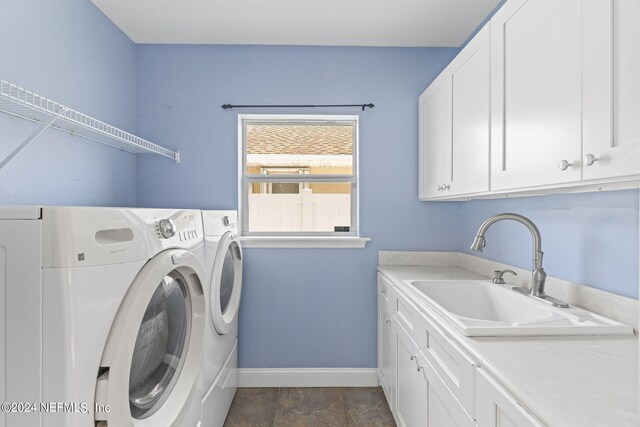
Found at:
[496, 408]
[422, 397]
[442, 408]
[454, 368]
[411, 388]
[428, 379]
[387, 353]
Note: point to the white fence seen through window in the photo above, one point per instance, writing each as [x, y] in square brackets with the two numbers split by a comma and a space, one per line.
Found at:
[305, 211]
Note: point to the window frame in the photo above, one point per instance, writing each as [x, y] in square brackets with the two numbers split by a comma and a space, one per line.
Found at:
[265, 187]
[302, 238]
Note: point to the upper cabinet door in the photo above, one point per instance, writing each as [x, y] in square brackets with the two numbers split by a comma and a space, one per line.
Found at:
[435, 138]
[536, 85]
[612, 88]
[471, 112]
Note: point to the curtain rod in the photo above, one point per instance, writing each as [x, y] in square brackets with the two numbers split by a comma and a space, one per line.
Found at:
[230, 106]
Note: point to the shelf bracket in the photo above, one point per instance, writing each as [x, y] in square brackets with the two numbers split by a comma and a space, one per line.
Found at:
[28, 141]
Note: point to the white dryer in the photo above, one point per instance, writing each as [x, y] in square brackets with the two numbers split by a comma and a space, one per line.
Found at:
[105, 316]
[223, 265]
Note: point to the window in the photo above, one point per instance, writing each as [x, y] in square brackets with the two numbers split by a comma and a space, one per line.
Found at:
[299, 176]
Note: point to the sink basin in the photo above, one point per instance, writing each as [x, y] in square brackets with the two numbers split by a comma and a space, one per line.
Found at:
[480, 308]
[482, 302]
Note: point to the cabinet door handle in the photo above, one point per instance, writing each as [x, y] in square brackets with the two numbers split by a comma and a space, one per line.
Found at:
[590, 159]
[446, 187]
[419, 367]
[564, 165]
[387, 321]
[439, 188]
[412, 356]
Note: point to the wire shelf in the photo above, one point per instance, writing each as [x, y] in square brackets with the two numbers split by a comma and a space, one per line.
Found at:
[25, 104]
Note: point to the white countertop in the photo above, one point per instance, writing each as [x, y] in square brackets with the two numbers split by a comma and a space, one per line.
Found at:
[564, 381]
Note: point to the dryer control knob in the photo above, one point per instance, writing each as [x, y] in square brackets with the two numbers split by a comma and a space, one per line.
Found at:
[167, 228]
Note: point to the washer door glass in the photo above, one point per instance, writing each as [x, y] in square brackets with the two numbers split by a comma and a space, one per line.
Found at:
[160, 346]
[226, 284]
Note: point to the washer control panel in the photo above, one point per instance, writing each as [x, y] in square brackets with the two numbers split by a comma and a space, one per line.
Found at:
[185, 227]
[166, 228]
[216, 223]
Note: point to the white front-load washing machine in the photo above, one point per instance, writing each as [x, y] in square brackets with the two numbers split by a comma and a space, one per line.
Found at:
[105, 316]
[222, 290]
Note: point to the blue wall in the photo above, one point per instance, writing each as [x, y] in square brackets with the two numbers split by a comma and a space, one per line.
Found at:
[300, 308]
[69, 52]
[589, 238]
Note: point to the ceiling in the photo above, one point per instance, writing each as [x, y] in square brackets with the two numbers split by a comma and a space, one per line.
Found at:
[437, 23]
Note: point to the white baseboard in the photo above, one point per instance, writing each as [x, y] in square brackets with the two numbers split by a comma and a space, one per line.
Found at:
[308, 377]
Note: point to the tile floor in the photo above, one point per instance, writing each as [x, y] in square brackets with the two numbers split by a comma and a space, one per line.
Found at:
[310, 407]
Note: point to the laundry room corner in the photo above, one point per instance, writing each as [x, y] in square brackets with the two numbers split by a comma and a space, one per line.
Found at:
[69, 52]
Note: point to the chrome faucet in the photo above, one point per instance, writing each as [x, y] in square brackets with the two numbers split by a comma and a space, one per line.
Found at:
[538, 275]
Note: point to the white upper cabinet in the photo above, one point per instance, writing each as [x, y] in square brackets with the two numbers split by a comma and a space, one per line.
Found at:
[470, 118]
[612, 89]
[546, 96]
[435, 138]
[454, 124]
[565, 92]
[536, 84]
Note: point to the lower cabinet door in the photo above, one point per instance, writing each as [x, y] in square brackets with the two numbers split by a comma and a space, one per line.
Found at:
[387, 353]
[443, 409]
[411, 392]
[423, 399]
[496, 408]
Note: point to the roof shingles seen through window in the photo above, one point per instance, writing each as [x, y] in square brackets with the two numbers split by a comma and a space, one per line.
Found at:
[299, 139]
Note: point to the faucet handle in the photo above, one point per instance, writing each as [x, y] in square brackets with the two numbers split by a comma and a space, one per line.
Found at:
[497, 276]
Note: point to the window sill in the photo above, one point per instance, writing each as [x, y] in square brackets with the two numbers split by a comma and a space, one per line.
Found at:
[300, 242]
